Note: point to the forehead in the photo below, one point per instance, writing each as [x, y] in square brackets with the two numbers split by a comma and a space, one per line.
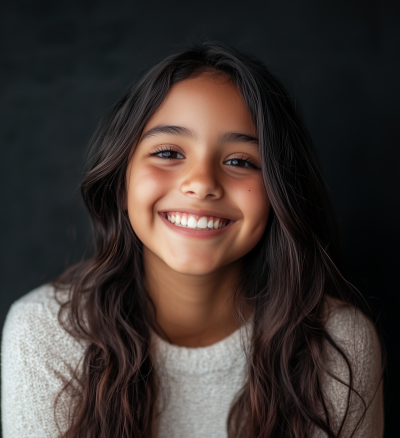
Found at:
[206, 102]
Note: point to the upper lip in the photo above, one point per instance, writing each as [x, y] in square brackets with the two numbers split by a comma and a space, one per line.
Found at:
[199, 212]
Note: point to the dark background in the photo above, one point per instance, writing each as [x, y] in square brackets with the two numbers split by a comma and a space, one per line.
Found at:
[64, 63]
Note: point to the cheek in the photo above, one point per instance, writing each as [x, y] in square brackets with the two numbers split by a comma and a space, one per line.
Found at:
[144, 189]
[252, 199]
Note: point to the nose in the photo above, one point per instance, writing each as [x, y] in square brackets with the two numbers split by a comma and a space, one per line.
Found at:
[201, 182]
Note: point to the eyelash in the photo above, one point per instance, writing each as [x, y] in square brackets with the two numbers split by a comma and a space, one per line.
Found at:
[168, 149]
[165, 149]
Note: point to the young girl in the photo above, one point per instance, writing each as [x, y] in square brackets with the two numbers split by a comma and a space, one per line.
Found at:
[213, 305]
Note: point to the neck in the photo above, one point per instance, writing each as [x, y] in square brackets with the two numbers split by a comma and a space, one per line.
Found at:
[191, 310]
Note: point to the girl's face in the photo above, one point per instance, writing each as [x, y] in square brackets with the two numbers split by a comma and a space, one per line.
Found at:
[195, 168]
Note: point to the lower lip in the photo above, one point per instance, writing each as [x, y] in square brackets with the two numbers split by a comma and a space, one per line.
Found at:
[195, 233]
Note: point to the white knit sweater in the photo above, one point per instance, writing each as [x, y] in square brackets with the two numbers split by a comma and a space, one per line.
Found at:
[198, 384]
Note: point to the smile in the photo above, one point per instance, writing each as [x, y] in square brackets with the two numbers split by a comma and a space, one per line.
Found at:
[194, 222]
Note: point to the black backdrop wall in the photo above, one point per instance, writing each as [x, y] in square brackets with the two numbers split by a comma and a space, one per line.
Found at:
[64, 63]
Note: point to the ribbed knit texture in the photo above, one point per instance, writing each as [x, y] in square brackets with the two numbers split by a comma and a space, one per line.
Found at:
[198, 384]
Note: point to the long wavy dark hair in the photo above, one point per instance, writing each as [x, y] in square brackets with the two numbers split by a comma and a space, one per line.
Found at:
[285, 278]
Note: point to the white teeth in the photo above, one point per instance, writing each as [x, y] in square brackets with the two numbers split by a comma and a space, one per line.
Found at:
[189, 221]
[202, 223]
[192, 223]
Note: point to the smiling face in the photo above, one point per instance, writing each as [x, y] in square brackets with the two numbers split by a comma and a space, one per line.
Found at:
[197, 168]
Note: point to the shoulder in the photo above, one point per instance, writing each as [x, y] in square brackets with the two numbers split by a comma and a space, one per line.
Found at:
[32, 323]
[38, 358]
[38, 306]
[361, 363]
[351, 329]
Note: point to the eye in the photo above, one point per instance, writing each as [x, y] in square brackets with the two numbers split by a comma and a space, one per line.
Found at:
[167, 154]
[240, 162]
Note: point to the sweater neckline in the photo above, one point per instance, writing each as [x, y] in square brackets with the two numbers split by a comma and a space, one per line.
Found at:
[221, 356]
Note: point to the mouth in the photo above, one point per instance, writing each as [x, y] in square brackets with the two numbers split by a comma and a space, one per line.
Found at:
[195, 222]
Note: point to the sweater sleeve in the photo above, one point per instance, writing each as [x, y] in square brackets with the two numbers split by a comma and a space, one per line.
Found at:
[355, 334]
[38, 358]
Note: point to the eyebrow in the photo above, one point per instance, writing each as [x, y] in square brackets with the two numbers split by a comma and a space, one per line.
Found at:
[237, 137]
[227, 137]
[168, 129]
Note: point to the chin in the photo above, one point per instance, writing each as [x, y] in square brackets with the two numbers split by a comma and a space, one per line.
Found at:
[193, 267]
